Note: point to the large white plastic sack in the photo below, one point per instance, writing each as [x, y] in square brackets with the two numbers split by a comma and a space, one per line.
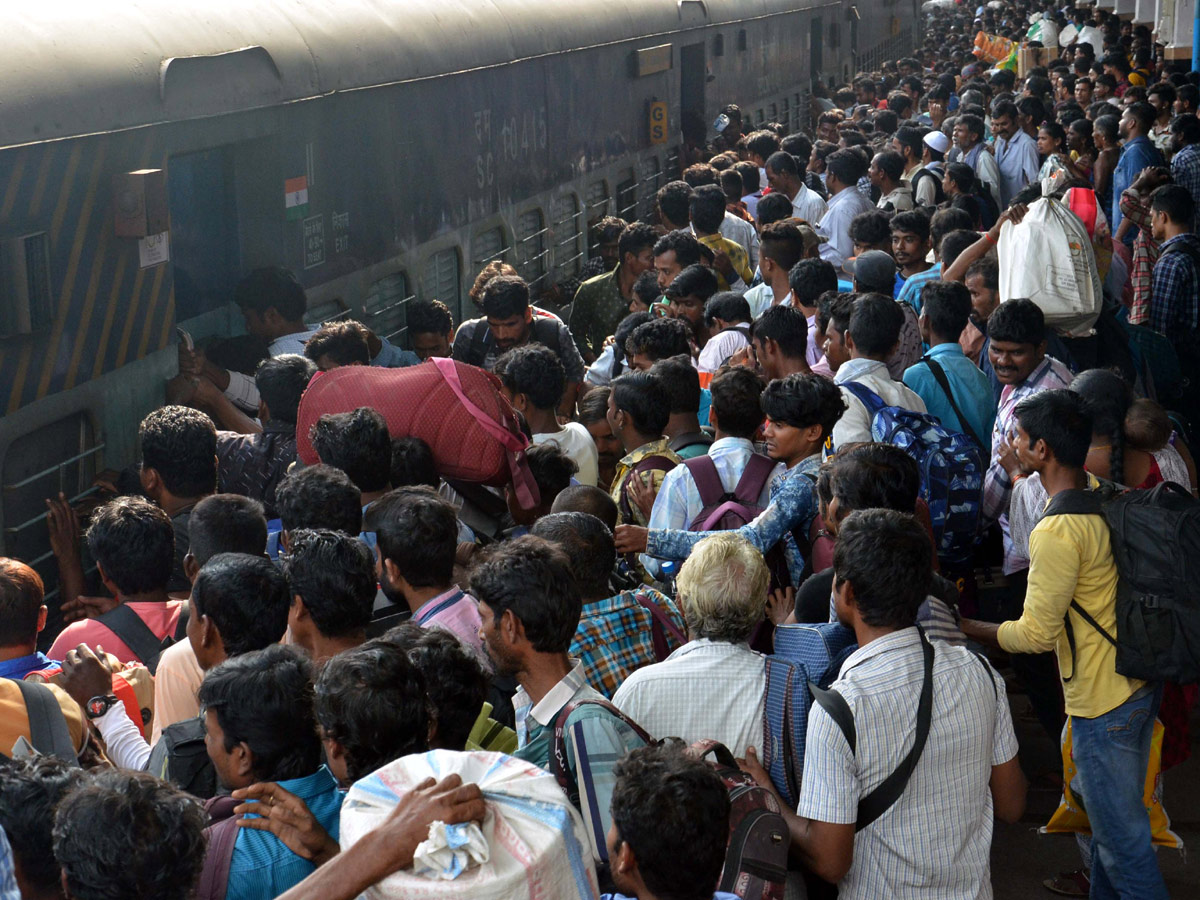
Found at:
[1048, 258]
[538, 846]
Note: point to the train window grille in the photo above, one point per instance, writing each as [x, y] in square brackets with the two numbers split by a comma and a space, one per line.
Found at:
[597, 200]
[76, 455]
[786, 114]
[531, 249]
[439, 280]
[835, 35]
[651, 182]
[627, 194]
[568, 235]
[25, 285]
[742, 42]
[774, 110]
[333, 310]
[673, 163]
[385, 306]
[489, 246]
[760, 115]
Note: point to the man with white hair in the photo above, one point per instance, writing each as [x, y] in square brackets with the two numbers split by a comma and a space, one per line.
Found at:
[713, 686]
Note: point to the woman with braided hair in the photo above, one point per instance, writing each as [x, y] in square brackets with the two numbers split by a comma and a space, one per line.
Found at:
[1111, 455]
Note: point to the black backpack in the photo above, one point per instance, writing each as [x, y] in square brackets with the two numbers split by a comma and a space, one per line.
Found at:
[541, 330]
[181, 757]
[939, 193]
[1156, 546]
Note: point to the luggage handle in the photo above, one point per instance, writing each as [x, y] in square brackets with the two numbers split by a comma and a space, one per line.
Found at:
[524, 486]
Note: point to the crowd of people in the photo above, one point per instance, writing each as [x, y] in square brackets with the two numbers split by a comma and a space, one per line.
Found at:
[797, 405]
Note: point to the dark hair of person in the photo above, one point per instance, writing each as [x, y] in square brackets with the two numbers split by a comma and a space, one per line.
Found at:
[226, 523]
[1189, 94]
[782, 243]
[962, 175]
[636, 238]
[887, 557]
[728, 306]
[505, 297]
[180, 444]
[875, 324]
[413, 463]
[1107, 398]
[911, 223]
[800, 401]
[988, 269]
[1187, 128]
[1005, 109]
[681, 381]
[1061, 418]
[128, 834]
[552, 469]
[891, 164]
[947, 306]
[494, 269]
[696, 280]
[955, 244]
[736, 396]
[658, 339]
[535, 371]
[417, 531]
[345, 343]
[751, 177]
[356, 442]
[732, 184]
[21, 597]
[272, 288]
[588, 544]
[631, 323]
[673, 199]
[945, 221]
[608, 230]
[707, 208]
[876, 476]
[1176, 201]
[683, 244]
[334, 574]
[809, 279]
[787, 326]
[973, 124]
[319, 496]
[428, 317]
[586, 498]
[646, 287]
[886, 120]
[783, 163]
[911, 137]
[1056, 131]
[1018, 321]
[264, 699]
[532, 578]
[1144, 113]
[594, 406]
[133, 541]
[281, 381]
[246, 597]
[373, 701]
[700, 174]
[773, 208]
[847, 166]
[673, 811]
[872, 228]
[762, 143]
[455, 681]
[30, 790]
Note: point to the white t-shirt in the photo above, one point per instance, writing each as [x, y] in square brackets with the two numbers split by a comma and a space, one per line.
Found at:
[720, 347]
[575, 441]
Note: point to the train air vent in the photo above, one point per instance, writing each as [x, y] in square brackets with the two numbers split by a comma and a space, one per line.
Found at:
[25, 304]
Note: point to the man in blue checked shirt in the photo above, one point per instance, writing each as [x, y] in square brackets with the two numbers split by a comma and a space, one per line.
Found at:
[1175, 302]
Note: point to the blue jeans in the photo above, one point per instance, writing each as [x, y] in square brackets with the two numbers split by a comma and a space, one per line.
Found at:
[1111, 753]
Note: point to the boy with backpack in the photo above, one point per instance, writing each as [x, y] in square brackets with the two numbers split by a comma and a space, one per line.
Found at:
[638, 411]
[1071, 608]
[731, 484]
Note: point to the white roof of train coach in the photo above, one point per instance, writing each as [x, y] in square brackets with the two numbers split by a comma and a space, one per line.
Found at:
[75, 67]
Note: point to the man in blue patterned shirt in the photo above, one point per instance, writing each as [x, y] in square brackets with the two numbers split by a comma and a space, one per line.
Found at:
[1175, 301]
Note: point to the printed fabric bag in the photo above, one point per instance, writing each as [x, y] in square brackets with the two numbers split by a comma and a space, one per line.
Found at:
[535, 842]
[1048, 258]
[1071, 817]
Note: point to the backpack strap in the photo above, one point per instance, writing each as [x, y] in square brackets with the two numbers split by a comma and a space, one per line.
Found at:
[660, 627]
[136, 634]
[47, 725]
[754, 478]
[708, 480]
[646, 464]
[545, 332]
[690, 439]
[480, 339]
[214, 876]
[1075, 502]
[939, 375]
[880, 800]
[867, 397]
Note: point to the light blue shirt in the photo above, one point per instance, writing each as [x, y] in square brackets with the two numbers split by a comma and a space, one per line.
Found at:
[8, 874]
[392, 357]
[1135, 156]
[972, 391]
[911, 292]
[1018, 161]
[835, 225]
[678, 502]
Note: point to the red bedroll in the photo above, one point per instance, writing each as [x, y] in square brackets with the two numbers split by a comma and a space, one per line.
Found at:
[457, 409]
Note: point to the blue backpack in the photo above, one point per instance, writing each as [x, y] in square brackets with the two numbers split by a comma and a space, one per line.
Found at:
[951, 467]
[803, 654]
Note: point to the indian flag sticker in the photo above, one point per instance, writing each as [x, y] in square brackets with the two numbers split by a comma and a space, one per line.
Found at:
[295, 197]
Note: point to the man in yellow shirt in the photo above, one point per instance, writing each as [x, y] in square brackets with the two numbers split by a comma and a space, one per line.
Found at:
[1071, 569]
[731, 261]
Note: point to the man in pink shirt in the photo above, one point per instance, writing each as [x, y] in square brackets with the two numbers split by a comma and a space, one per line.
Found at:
[133, 544]
[417, 534]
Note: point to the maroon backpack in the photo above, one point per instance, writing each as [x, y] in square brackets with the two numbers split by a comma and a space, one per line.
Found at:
[725, 511]
[756, 858]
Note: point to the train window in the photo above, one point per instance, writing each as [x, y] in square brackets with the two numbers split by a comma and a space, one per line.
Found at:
[568, 235]
[835, 35]
[328, 311]
[651, 182]
[385, 305]
[531, 247]
[742, 43]
[758, 115]
[786, 118]
[774, 113]
[439, 280]
[489, 245]
[597, 200]
[719, 45]
[627, 194]
[25, 285]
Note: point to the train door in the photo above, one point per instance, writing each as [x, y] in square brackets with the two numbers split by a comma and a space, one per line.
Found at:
[816, 48]
[204, 235]
[691, 80]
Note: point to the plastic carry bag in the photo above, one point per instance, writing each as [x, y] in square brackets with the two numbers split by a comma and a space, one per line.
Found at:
[992, 48]
[1048, 258]
[537, 846]
[1070, 817]
[1044, 31]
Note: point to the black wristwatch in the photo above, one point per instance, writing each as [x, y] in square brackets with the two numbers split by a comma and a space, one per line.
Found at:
[99, 705]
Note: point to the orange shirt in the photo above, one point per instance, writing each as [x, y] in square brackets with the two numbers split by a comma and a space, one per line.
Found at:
[161, 618]
[14, 719]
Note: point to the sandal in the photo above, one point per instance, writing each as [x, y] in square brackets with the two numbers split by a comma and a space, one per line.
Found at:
[1069, 884]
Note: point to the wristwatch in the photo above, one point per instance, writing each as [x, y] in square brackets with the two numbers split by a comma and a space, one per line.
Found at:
[99, 705]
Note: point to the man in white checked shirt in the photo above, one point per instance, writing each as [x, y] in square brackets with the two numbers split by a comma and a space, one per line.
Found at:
[935, 840]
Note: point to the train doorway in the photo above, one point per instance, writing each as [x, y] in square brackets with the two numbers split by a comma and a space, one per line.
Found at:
[816, 48]
[691, 81]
